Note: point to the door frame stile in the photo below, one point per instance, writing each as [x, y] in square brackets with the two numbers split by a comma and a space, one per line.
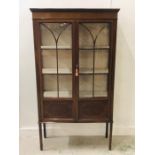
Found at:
[76, 66]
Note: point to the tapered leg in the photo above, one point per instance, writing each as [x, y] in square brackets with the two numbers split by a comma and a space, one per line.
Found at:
[40, 136]
[110, 136]
[106, 132]
[44, 126]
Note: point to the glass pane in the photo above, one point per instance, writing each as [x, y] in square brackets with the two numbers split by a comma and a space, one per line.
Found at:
[49, 61]
[50, 86]
[50, 32]
[94, 33]
[100, 85]
[103, 36]
[94, 44]
[65, 86]
[65, 61]
[86, 61]
[101, 61]
[56, 45]
[85, 86]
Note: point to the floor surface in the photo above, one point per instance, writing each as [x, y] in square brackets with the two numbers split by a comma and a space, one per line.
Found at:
[75, 145]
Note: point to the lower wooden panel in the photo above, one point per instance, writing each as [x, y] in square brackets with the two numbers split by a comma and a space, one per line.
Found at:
[89, 111]
[57, 110]
[93, 111]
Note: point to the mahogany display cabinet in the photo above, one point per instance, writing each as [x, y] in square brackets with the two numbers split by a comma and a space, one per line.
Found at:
[75, 63]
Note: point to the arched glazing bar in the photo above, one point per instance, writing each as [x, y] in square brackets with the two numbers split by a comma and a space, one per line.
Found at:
[56, 39]
[94, 39]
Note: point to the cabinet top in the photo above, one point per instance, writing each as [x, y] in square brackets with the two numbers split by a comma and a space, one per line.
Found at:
[73, 14]
[73, 10]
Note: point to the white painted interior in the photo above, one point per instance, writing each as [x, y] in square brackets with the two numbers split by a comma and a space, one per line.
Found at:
[124, 80]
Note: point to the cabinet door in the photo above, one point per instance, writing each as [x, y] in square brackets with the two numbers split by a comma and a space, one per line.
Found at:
[94, 48]
[56, 55]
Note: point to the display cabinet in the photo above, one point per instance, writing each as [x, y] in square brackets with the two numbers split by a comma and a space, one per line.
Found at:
[75, 62]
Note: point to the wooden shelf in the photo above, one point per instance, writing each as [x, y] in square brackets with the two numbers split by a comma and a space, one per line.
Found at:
[54, 71]
[70, 48]
[54, 48]
[69, 71]
[67, 94]
[90, 71]
[90, 48]
[96, 94]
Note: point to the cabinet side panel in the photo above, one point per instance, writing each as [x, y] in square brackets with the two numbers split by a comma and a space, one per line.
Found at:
[36, 33]
[112, 66]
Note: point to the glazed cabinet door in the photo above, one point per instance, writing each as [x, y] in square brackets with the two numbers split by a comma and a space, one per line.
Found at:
[56, 71]
[94, 49]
